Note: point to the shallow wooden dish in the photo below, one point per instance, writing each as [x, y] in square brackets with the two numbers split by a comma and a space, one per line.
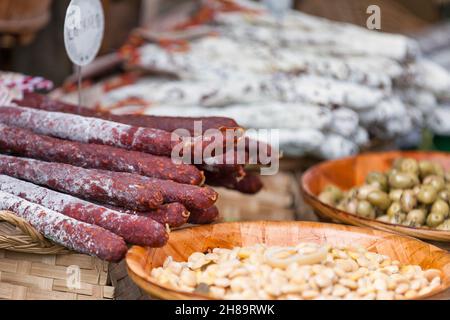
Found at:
[183, 243]
[349, 172]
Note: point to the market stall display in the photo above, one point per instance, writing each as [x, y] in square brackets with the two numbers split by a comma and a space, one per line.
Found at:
[93, 185]
[405, 207]
[149, 268]
[113, 170]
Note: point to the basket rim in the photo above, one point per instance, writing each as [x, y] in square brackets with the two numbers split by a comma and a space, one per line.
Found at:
[29, 240]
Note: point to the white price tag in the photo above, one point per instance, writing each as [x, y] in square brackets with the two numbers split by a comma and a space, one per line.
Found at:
[83, 30]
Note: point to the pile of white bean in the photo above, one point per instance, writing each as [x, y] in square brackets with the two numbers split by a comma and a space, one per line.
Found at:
[305, 271]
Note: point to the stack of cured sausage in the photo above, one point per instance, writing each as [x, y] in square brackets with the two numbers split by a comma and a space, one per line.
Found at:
[95, 182]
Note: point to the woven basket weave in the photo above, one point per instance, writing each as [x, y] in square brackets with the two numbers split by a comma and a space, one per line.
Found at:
[33, 268]
[18, 235]
[21, 19]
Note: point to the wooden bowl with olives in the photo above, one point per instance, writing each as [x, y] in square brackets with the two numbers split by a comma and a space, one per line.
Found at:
[403, 192]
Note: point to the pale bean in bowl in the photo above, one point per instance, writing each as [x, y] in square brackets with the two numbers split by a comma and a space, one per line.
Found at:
[245, 243]
[302, 272]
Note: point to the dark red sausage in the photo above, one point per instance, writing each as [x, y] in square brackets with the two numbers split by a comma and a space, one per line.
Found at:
[249, 184]
[37, 101]
[204, 216]
[66, 231]
[90, 184]
[133, 229]
[192, 197]
[25, 143]
[173, 214]
[95, 130]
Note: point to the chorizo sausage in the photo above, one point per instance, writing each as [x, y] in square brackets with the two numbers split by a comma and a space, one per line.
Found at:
[66, 231]
[173, 214]
[166, 123]
[249, 183]
[25, 143]
[192, 197]
[37, 101]
[95, 130]
[90, 184]
[204, 216]
[133, 229]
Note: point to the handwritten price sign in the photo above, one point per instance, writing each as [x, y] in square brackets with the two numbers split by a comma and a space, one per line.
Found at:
[83, 30]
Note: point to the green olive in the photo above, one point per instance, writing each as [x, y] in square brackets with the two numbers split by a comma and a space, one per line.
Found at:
[395, 194]
[427, 194]
[365, 209]
[434, 219]
[352, 205]
[440, 206]
[447, 176]
[352, 193]
[341, 206]
[397, 163]
[426, 168]
[402, 180]
[409, 165]
[336, 191]
[384, 218]
[378, 179]
[408, 200]
[438, 169]
[398, 218]
[364, 191]
[394, 209]
[416, 216]
[444, 195]
[435, 181]
[379, 199]
[328, 198]
[445, 226]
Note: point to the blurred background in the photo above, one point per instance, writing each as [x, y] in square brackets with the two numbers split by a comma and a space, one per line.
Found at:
[31, 32]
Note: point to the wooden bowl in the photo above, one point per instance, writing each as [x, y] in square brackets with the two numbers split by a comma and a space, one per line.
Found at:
[183, 243]
[349, 172]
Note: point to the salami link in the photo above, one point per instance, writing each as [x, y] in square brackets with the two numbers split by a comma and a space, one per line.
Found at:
[166, 123]
[249, 183]
[37, 101]
[173, 214]
[90, 184]
[133, 229]
[95, 130]
[66, 231]
[204, 216]
[25, 143]
[192, 197]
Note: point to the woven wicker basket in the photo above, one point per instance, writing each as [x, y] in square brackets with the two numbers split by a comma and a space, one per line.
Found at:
[21, 19]
[32, 267]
